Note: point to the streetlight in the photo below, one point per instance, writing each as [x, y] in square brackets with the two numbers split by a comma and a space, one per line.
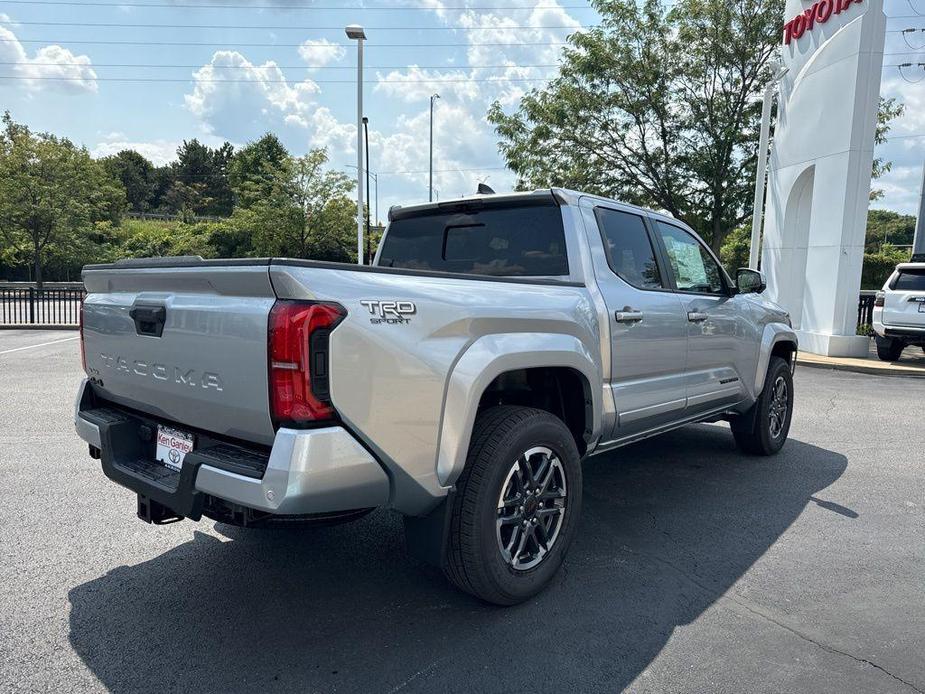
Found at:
[760, 178]
[433, 98]
[369, 208]
[355, 31]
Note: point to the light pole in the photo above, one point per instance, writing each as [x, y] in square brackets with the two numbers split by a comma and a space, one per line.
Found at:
[430, 196]
[355, 31]
[754, 252]
[918, 241]
[369, 208]
[375, 187]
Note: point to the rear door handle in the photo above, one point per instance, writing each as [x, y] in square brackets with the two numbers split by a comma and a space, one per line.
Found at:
[628, 316]
[696, 316]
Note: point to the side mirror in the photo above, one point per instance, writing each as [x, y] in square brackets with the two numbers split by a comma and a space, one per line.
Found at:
[750, 281]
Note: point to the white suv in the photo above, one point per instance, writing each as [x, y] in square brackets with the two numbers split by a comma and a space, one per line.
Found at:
[899, 311]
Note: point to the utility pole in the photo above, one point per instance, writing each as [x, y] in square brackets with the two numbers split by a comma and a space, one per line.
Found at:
[355, 32]
[918, 242]
[430, 195]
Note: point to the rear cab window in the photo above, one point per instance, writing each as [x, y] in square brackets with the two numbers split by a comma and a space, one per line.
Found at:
[522, 238]
[910, 280]
[629, 249]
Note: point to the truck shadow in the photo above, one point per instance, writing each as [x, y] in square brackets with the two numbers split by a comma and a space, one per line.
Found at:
[667, 528]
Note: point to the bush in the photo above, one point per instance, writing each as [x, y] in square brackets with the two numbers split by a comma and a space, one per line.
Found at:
[878, 266]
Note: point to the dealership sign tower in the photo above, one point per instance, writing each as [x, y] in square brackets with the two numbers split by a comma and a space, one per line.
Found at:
[820, 168]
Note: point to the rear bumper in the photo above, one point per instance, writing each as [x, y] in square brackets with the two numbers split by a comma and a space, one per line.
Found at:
[910, 333]
[306, 472]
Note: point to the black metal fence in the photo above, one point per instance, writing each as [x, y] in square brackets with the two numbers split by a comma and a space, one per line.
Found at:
[31, 306]
[866, 309]
[57, 306]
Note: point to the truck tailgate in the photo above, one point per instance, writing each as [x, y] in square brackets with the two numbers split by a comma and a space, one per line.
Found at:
[188, 344]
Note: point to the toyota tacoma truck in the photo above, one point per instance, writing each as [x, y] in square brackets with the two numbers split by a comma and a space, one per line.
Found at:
[495, 342]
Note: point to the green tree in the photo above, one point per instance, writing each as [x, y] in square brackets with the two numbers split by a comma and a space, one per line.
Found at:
[200, 180]
[52, 195]
[656, 106]
[306, 212]
[885, 227]
[736, 248]
[889, 110]
[253, 170]
[137, 176]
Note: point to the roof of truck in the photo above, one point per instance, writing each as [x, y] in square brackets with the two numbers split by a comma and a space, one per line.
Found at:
[558, 195]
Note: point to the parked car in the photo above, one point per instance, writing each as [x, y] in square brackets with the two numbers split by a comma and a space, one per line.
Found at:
[496, 341]
[899, 311]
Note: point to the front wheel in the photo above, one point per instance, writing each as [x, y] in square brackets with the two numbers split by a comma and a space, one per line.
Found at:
[764, 428]
[516, 506]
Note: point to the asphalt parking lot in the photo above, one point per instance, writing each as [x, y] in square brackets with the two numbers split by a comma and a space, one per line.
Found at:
[695, 569]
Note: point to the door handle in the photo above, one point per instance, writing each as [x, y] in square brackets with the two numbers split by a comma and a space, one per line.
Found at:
[628, 316]
[697, 316]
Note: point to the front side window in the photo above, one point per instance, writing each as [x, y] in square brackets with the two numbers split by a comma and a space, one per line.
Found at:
[503, 241]
[693, 267]
[629, 249]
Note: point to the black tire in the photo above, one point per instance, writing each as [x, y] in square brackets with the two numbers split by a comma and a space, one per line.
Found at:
[475, 562]
[754, 431]
[889, 348]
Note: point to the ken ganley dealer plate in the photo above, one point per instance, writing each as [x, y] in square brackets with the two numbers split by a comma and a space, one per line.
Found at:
[172, 446]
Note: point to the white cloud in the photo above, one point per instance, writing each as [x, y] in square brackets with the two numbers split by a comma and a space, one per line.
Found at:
[463, 141]
[320, 53]
[158, 152]
[52, 68]
[239, 100]
[417, 84]
[339, 138]
[902, 185]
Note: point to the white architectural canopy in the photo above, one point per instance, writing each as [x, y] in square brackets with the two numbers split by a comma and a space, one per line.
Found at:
[820, 168]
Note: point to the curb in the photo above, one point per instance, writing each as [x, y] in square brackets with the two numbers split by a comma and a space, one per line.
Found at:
[902, 372]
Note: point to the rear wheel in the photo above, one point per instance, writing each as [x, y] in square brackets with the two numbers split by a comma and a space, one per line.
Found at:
[764, 428]
[889, 348]
[516, 506]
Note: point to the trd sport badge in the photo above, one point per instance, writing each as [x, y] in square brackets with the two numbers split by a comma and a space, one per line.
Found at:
[390, 312]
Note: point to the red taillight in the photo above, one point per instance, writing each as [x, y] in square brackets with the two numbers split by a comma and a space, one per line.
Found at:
[83, 350]
[298, 352]
[878, 300]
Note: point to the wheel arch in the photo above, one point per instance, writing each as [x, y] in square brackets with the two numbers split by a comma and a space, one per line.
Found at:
[778, 340]
[551, 372]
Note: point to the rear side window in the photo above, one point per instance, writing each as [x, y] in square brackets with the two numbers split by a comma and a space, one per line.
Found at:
[515, 241]
[629, 249]
[910, 281]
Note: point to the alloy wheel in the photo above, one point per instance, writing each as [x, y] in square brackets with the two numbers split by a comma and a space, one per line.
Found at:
[780, 403]
[531, 508]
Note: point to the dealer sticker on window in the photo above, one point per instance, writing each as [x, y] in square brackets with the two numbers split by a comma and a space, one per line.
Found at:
[172, 446]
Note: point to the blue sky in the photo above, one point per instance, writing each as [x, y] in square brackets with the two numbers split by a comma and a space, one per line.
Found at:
[295, 75]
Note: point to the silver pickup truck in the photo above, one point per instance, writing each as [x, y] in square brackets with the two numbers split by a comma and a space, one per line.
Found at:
[496, 341]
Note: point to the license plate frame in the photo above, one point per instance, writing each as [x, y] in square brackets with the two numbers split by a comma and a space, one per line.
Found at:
[172, 446]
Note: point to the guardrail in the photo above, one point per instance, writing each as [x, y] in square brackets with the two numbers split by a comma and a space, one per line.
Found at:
[30, 306]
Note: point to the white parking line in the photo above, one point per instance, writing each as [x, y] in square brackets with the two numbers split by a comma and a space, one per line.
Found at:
[44, 344]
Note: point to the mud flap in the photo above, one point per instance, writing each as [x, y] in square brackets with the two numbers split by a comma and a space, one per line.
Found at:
[427, 537]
